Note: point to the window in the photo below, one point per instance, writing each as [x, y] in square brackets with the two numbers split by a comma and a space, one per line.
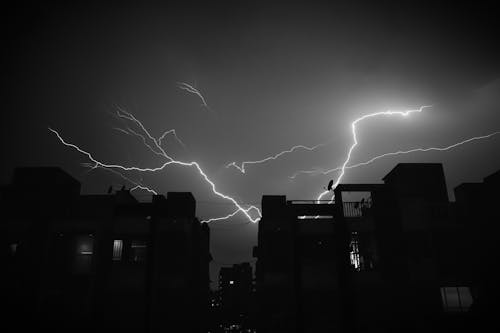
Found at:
[138, 251]
[83, 256]
[354, 253]
[117, 249]
[456, 299]
[363, 252]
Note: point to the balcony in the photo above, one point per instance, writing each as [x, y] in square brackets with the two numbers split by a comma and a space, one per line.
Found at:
[357, 209]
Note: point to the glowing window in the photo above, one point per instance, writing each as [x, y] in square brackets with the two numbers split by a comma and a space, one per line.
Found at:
[117, 249]
[354, 253]
[231, 282]
[456, 299]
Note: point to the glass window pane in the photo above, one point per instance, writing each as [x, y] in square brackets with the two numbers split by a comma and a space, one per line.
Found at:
[452, 298]
[456, 299]
[117, 249]
[465, 297]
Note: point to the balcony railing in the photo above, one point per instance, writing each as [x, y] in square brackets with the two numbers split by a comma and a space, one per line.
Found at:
[356, 209]
[351, 209]
[311, 202]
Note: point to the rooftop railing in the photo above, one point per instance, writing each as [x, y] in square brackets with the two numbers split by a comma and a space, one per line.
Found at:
[310, 202]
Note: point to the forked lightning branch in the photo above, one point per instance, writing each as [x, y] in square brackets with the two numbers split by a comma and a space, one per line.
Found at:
[250, 212]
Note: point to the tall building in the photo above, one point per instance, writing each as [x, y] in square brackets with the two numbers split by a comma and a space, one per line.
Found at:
[236, 292]
[396, 256]
[92, 262]
[477, 213]
[301, 267]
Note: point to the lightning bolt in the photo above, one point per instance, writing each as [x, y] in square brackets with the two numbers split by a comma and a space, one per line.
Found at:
[355, 141]
[241, 167]
[172, 131]
[137, 185]
[121, 115]
[189, 88]
[121, 130]
[399, 152]
[232, 214]
[156, 148]
[314, 171]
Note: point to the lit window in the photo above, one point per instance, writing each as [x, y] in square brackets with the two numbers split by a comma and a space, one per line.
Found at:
[117, 249]
[231, 282]
[363, 252]
[138, 251]
[354, 253]
[456, 299]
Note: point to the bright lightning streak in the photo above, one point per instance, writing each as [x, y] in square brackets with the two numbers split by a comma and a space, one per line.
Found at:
[231, 215]
[145, 142]
[137, 185]
[142, 187]
[189, 88]
[170, 161]
[122, 114]
[241, 167]
[172, 131]
[400, 152]
[355, 139]
[128, 116]
[307, 172]
[121, 130]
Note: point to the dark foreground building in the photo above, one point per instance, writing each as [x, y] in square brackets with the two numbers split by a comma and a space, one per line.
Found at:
[236, 294]
[92, 262]
[391, 257]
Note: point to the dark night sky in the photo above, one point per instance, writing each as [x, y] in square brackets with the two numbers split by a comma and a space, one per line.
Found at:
[274, 76]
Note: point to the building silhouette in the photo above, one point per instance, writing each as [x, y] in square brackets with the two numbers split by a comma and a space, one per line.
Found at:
[388, 257]
[93, 262]
[236, 295]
